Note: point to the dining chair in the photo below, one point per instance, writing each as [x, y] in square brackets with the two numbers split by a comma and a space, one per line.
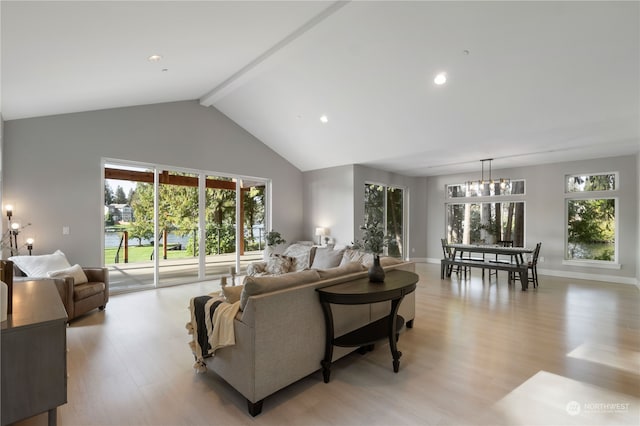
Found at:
[448, 253]
[502, 243]
[532, 277]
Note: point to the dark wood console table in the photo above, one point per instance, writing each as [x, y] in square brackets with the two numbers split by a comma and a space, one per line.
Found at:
[34, 353]
[396, 285]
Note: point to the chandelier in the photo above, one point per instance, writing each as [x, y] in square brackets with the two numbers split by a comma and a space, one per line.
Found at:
[480, 186]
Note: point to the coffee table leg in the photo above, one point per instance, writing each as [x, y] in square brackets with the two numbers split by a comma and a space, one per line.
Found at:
[328, 348]
[393, 336]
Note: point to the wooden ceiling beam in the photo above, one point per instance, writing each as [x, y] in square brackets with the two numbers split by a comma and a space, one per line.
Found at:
[166, 178]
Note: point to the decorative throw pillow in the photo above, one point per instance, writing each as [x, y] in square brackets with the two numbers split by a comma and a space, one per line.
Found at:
[327, 257]
[39, 266]
[367, 260]
[301, 254]
[351, 255]
[279, 264]
[75, 272]
[232, 293]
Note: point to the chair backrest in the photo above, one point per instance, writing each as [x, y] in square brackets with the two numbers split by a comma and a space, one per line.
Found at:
[445, 251]
[536, 252]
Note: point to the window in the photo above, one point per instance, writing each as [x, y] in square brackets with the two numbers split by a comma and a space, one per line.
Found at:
[385, 204]
[516, 187]
[176, 226]
[591, 218]
[485, 223]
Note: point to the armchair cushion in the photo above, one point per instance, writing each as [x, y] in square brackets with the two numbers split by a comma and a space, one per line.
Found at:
[76, 272]
[83, 291]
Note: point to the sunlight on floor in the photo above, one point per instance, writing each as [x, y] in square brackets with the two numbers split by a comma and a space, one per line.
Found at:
[547, 398]
[611, 356]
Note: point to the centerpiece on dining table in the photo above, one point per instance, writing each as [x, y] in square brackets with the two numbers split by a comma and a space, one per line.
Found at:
[373, 241]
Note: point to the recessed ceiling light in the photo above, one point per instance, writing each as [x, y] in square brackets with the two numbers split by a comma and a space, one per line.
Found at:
[324, 119]
[440, 79]
[154, 58]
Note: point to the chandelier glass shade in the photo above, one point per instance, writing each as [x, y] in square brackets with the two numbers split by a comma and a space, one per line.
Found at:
[488, 186]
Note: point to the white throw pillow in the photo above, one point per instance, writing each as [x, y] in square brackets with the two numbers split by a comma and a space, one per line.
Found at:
[327, 257]
[75, 272]
[39, 266]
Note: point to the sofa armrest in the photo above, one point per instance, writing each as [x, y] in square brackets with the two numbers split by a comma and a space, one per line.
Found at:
[255, 268]
[98, 275]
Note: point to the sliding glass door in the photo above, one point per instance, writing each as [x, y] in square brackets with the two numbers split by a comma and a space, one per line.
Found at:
[178, 226]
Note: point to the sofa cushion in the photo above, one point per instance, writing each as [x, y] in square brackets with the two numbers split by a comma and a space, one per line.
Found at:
[389, 261]
[232, 293]
[75, 272]
[86, 290]
[261, 285]
[327, 257]
[347, 268]
[352, 255]
[39, 266]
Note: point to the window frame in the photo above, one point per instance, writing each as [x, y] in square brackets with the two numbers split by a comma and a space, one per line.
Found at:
[475, 197]
[610, 194]
[405, 213]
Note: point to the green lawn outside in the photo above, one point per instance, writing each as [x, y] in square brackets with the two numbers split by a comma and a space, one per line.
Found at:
[141, 254]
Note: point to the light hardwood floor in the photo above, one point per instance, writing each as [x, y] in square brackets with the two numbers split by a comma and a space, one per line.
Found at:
[480, 352]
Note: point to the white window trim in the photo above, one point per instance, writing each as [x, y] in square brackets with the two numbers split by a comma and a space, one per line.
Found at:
[602, 264]
[591, 263]
[569, 175]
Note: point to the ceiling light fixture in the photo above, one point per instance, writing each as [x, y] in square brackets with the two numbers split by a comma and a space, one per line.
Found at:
[324, 119]
[480, 186]
[440, 79]
[154, 58]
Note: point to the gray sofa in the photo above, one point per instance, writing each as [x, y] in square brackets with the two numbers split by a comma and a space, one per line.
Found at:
[280, 333]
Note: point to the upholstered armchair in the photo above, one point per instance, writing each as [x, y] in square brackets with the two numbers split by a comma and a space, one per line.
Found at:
[81, 289]
[79, 299]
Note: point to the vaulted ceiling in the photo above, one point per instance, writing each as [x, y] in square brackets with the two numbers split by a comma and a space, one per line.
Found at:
[527, 82]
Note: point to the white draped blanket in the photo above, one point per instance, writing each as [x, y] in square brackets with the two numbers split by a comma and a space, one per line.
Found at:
[219, 329]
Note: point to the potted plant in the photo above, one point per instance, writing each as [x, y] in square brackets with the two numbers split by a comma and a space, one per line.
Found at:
[373, 241]
[273, 239]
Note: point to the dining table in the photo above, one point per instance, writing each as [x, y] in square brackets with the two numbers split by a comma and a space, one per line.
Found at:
[516, 254]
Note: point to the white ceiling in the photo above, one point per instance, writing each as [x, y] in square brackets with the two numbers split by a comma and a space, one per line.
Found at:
[541, 82]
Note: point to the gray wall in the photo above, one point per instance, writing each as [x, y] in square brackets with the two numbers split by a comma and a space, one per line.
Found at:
[52, 166]
[328, 202]
[545, 214]
[334, 198]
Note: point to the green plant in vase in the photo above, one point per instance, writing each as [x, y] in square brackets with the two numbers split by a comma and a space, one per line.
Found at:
[273, 239]
[374, 241]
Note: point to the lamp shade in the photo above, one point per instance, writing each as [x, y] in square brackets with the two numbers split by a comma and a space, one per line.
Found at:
[320, 231]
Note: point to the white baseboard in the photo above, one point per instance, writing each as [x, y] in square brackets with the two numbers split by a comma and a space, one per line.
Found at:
[576, 275]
